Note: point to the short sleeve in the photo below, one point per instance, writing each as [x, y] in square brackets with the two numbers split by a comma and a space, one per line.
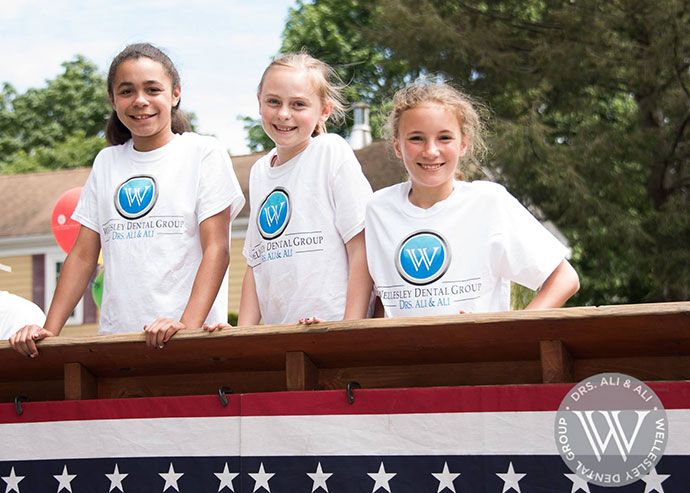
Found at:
[15, 312]
[351, 193]
[86, 212]
[250, 242]
[251, 239]
[218, 185]
[525, 251]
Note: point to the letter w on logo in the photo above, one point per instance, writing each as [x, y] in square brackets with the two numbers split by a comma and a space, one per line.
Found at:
[136, 195]
[616, 432]
[273, 213]
[420, 256]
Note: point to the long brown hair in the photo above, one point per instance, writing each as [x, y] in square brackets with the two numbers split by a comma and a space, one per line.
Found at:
[116, 132]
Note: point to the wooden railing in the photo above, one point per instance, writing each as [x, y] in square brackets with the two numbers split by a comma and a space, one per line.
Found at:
[649, 342]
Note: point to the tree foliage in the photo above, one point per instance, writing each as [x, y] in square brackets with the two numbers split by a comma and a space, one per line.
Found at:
[57, 126]
[590, 102]
[257, 140]
[340, 33]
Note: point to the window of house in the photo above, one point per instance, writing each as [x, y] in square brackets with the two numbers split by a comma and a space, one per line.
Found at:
[54, 262]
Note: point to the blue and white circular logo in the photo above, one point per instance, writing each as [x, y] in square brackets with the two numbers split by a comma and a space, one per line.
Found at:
[274, 214]
[136, 196]
[422, 257]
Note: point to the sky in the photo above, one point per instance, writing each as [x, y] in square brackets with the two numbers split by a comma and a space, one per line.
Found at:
[220, 47]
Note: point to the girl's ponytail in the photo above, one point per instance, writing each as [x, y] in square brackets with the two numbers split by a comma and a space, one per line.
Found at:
[179, 123]
[115, 131]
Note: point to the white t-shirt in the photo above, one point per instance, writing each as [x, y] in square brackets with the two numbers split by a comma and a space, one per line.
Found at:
[302, 214]
[16, 312]
[147, 208]
[460, 254]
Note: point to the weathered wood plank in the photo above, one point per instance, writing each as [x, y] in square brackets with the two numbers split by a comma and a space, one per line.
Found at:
[617, 334]
[556, 362]
[190, 384]
[443, 375]
[35, 390]
[300, 372]
[644, 368]
[79, 382]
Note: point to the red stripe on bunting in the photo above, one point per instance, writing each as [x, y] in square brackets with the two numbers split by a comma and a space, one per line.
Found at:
[131, 408]
[493, 398]
[506, 398]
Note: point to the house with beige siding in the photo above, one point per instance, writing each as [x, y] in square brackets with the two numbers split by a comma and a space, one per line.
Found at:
[28, 247]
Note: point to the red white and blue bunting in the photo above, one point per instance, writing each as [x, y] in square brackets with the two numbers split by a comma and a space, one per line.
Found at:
[495, 439]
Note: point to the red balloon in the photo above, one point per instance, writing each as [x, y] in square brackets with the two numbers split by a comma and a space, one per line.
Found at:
[65, 229]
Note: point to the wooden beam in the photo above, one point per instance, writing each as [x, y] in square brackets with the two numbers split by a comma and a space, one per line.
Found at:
[642, 368]
[80, 383]
[190, 384]
[588, 332]
[442, 375]
[556, 362]
[300, 372]
[646, 341]
[35, 390]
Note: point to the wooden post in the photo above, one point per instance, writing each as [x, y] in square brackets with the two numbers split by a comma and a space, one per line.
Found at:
[556, 362]
[80, 383]
[300, 371]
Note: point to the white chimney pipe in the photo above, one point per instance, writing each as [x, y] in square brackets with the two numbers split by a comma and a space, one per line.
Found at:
[361, 131]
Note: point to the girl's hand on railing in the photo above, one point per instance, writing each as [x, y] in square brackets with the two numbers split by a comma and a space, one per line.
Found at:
[161, 331]
[24, 340]
[214, 327]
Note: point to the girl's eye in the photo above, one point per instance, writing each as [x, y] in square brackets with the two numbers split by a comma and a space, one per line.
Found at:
[299, 104]
[124, 92]
[272, 101]
[155, 90]
[416, 138]
[446, 137]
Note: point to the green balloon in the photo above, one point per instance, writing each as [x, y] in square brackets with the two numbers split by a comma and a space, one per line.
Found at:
[97, 289]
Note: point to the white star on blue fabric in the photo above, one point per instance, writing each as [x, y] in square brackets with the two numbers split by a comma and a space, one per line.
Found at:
[171, 478]
[381, 478]
[319, 478]
[65, 480]
[578, 483]
[652, 481]
[116, 479]
[12, 481]
[445, 478]
[510, 479]
[226, 477]
[261, 478]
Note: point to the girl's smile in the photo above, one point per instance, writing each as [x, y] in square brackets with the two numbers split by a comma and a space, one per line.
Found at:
[143, 98]
[430, 143]
[290, 109]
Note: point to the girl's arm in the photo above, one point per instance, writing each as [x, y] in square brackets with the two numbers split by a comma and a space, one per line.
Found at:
[250, 312]
[557, 289]
[214, 233]
[74, 277]
[359, 283]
